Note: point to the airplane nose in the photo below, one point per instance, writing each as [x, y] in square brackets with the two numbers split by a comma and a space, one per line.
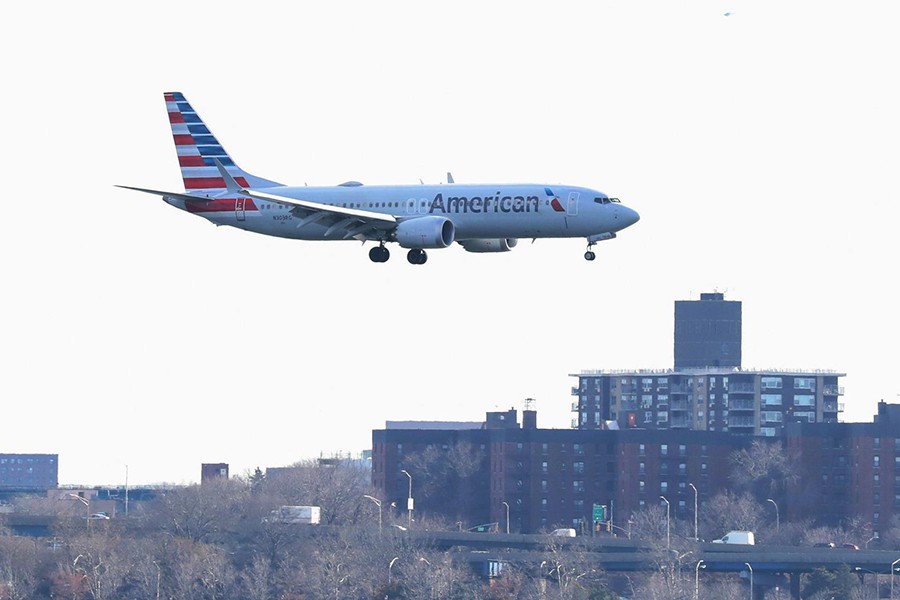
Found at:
[629, 216]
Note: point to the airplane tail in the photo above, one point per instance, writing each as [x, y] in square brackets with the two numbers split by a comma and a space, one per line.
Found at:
[198, 151]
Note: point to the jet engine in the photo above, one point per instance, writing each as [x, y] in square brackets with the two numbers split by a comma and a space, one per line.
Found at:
[426, 232]
[489, 245]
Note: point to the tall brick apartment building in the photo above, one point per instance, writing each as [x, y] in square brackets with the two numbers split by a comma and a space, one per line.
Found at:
[552, 477]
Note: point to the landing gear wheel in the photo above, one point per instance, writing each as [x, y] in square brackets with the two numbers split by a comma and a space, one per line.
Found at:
[416, 256]
[379, 254]
[589, 255]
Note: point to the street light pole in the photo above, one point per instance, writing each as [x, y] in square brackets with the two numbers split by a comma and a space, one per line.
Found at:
[668, 529]
[393, 560]
[893, 564]
[697, 579]
[377, 502]
[751, 580]
[696, 537]
[409, 499]
[507, 516]
[777, 518]
[87, 504]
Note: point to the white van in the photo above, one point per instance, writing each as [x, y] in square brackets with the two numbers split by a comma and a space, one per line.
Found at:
[737, 537]
[564, 532]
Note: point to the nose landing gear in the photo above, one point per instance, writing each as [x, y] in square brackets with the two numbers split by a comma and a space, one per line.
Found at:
[589, 254]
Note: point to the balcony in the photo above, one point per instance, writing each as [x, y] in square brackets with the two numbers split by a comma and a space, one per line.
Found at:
[741, 388]
[833, 390]
[679, 405]
[741, 404]
[575, 407]
[740, 421]
[681, 423]
[575, 391]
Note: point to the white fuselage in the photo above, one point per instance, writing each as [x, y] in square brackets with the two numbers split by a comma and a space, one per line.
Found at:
[477, 211]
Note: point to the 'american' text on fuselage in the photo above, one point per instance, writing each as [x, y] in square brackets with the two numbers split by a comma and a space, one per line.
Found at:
[478, 204]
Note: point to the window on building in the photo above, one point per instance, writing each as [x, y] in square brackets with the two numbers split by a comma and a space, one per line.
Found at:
[770, 416]
[804, 400]
[578, 486]
[767, 431]
[663, 487]
[578, 448]
[876, 461]
[663, 449]
[642, 469]
[578, 467]
[682, 450]
[804, 383]
[642, 450]
[770, 399]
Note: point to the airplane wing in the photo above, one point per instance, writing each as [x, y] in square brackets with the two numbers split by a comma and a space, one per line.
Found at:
[356, 222]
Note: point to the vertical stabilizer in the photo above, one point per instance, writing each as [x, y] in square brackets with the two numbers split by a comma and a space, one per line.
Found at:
[198, 151]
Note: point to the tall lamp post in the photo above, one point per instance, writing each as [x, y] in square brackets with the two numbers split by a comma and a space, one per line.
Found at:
[87, 504]
[751, 580]
[696, 537]
[668, 529]
[777, 518]
[507, 516]
[378, 503]
[893, 564]
[697, 578]
[393, 560]
[409, 499]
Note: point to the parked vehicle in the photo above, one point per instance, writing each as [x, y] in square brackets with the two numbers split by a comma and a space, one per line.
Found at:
[305, 515]
[564, 532]
[849, 546]
[737, 537]
[823, 545]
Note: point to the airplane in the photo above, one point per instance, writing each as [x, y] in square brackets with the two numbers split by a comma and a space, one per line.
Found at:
[478, 217]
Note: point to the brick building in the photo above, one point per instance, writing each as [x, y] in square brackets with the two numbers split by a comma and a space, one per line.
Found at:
[551, 477]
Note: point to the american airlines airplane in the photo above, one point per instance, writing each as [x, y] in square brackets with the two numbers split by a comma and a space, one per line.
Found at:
[479, 217]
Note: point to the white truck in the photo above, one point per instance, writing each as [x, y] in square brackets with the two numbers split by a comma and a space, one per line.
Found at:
[737, 537]
[303, 515]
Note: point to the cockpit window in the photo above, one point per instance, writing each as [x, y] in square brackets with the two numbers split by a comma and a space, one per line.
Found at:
[615, 200]
[601, 200]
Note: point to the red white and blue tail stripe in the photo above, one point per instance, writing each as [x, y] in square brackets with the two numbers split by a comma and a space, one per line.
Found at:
[198, 149]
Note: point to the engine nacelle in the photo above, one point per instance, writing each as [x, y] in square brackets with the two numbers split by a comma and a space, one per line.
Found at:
[489, 245]
[426, 232]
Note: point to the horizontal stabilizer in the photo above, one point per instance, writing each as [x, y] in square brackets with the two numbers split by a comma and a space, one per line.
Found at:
[180, 195]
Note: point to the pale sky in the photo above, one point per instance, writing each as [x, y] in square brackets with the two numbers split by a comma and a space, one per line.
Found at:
[760, 148]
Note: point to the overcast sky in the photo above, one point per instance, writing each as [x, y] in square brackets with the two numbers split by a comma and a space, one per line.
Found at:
[760, 148]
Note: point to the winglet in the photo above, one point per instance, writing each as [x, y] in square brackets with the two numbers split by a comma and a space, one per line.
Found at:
[230, 184]
[450, 177]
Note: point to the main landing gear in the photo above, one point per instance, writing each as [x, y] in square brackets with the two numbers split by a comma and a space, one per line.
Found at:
[379, 254]
[416, 256]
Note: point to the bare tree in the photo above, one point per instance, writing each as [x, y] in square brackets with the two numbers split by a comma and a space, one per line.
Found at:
[728, 511]
[764, 470]
[202, 513]
[20, 567]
